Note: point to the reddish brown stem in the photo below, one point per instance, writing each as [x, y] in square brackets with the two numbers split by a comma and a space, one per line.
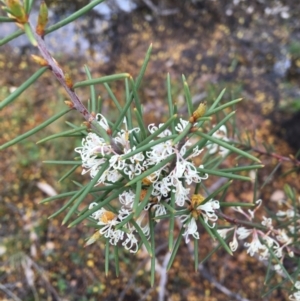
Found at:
[278, 157]
[60, 76]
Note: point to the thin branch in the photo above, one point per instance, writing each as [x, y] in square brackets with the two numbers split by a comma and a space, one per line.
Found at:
[218, 285]
[163, 277]
[60, 76]
[135, 274]
[9, 293]
[276, 156]
[157, 11]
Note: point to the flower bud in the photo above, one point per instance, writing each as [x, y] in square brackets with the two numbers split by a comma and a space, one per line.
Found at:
[39, 60]
[42, 19]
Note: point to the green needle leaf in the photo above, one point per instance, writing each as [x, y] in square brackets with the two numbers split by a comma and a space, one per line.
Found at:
[137, 195]
[152, 240]
[196, 253]
[30, 34]
[68, 173]
[63, 162]
[35, 130]
[107, 244]
[171, 222]
[222, 107]
[113, 97]
[11, 37]
[221, 241]
[223, 174]
[92, 90]
[144, 202]
[22, 88]
[116, 256]
[86, 191]
[63, 134]
[74, 16]
[143, 69]
[228, 146]
[175, 249]
[216, 102]
[7, 19]
[143, 237]
[188, 96]
[101, 80]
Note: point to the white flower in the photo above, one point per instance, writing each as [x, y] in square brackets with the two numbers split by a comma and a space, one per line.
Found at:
[190, 228]
[112, 176]
[223, 232]
[181, 125]
[257, 247]
[158, 153]
[234, 243]
[116, 162]
[109, 220]
[159, 209]
[297, 285]
[127, 198]
[295, 296]
[153, 128]
[196, 152]
[163, 187]
[283, 238]
[221, 134]
[290, 213]
[181, 193]
[267, 222]
[102, 121]
[92, 146]
[143, 222]
[243, 233]
[130, 243]
[277, 267]
[207, 210]
[252, 212]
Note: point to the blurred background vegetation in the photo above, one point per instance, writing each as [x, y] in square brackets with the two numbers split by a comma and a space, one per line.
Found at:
[250, 47]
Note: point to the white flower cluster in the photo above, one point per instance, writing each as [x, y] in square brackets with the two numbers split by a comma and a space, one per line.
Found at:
[261, 242]
[173, 177]
[197, 208]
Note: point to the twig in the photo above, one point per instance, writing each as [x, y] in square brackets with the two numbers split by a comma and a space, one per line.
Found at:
[218, 285]
[60, 76]
[163, 277]
[279, 157]
[45, 279]
[9, 293]
[132, 279]
[159, 12]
